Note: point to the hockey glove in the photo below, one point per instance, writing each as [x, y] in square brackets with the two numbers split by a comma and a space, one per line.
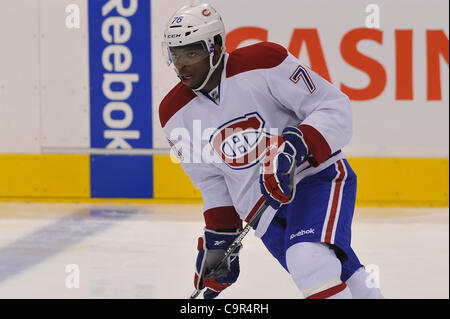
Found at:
[211, 249]
[284, 154]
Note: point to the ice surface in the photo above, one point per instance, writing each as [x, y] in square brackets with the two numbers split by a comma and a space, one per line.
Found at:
[149, 250]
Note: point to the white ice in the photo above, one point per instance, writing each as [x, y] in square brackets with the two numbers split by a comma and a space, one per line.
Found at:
[149, 250]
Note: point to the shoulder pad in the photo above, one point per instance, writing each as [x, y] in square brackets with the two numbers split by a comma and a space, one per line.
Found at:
[263, 55]
[174, 101]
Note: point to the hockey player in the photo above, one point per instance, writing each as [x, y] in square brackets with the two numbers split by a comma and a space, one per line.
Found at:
[240, 123]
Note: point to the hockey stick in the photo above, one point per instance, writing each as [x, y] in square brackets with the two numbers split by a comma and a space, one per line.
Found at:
[237, 241]
[235, 244]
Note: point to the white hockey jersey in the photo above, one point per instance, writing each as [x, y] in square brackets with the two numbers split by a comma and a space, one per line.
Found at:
[220, 145]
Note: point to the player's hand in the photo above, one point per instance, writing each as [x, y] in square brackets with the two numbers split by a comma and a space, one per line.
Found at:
[284, 154]
[211, 249]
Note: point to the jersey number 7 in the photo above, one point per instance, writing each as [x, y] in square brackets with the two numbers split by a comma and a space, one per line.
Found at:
[301, 73]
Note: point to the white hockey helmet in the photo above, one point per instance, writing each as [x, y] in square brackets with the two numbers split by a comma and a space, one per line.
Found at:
[194, 23]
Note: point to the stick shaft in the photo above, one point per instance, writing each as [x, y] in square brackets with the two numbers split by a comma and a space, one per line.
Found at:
[237, 241]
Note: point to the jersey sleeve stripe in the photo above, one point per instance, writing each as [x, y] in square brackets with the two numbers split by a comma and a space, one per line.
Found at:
[317, 145]
[224, 217]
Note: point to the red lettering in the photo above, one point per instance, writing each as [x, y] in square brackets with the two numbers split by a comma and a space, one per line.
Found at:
[437, 45]
[235, 37]
[404, 64]
[373, 68]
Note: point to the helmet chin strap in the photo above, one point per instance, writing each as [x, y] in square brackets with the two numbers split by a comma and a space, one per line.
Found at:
[212, 68]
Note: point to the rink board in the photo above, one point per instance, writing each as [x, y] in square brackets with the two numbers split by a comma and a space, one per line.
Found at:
[61, 112]
[381, 181]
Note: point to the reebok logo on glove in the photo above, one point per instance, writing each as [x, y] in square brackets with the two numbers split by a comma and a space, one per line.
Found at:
[217, 242]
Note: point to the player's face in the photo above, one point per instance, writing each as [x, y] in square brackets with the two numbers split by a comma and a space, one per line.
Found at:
[192, 63]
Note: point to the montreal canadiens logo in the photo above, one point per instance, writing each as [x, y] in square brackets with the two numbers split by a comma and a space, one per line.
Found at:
[241, 143]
